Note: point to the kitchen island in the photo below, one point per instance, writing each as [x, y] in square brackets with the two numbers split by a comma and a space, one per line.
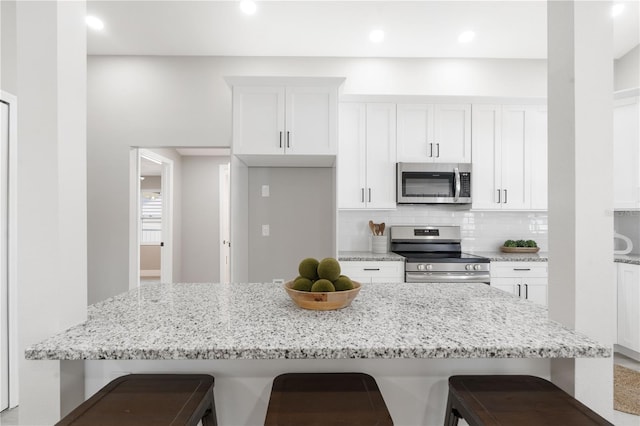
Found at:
[410, 337]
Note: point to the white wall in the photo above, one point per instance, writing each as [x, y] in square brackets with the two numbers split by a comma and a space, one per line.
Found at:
[51, 88]
[201, 218]
[184, 101]
[8, 79]
[627, 70]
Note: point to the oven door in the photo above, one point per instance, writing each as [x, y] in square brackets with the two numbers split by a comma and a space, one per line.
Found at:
[448, 277]
[428, 184]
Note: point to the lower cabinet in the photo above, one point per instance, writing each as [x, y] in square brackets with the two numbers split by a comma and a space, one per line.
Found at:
[527, 280]
[629, 307]
[366, 272]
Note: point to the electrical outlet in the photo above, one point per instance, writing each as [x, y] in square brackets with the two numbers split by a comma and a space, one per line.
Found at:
[265, 190]
[279, 281]
[265, 230]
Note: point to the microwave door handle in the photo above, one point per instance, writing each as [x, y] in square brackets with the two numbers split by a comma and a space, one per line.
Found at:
[457, 183]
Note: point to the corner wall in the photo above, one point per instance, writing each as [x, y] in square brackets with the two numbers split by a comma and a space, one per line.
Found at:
[627, 70]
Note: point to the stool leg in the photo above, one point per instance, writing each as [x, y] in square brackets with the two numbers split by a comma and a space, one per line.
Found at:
[450, 418]
[210, 418]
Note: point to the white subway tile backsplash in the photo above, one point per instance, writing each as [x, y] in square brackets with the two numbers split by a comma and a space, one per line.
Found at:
[480, 231]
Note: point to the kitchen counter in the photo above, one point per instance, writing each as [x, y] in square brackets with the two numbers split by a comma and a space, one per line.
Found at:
[498, 256]
[633, 259]
[259, 321]
[359, 256]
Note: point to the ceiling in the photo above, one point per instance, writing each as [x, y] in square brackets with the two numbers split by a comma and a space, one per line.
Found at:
[413, 29]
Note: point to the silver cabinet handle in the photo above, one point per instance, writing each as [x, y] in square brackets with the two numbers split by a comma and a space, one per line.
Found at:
[430, 150]
[369, 194]
[505, 196]
[526, 291]
[288, 138]
[519, 288]
[280, 139]
[498, 196]
[438, 150]
[362, 195]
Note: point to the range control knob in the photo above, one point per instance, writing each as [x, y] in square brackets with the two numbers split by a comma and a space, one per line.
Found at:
[429, 267]
[469, 267]
[420, 267]
[477, 267]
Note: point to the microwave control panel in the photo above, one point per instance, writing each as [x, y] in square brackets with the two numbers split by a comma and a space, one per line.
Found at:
[465, 184]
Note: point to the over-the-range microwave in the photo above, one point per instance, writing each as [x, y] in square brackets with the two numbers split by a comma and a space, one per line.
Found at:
[433, 183]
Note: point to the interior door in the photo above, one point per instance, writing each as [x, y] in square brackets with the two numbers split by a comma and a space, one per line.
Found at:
[4, 282]
[225, 232]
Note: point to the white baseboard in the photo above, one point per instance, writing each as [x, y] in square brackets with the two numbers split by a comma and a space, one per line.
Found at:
[627, 352]
[150, 273]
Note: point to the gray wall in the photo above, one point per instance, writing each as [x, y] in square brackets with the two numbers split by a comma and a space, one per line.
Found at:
[627, 70]
[627, 223]
[201, 218]
[152, 101]
[300, 212]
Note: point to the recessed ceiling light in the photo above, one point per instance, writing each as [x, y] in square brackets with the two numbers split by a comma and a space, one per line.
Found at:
[376, 36]
[248, 6]
[466, 36]
[94, 23]
[617, 9]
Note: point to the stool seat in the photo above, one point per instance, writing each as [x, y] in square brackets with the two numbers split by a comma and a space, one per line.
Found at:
[149, 399]
[514, 400]
[324, 399]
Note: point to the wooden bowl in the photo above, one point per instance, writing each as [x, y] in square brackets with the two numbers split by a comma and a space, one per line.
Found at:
[519, 249]
[324, 300]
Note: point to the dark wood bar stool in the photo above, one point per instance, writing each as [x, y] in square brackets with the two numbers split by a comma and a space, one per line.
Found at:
[514, 400]
[324, 399]
[149, 399]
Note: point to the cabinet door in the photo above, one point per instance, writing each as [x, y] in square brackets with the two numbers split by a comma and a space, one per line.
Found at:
[486, 174]
[514, 191]
[258, 120]
[536, 135]
[629, 306]
[351, 161]
[381, 156]
[452, 133]
[373, 271]
[534, 289]
[311, 120]
[415, 133]
[626, 154]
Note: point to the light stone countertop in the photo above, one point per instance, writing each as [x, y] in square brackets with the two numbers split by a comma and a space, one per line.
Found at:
[633, 259]
[498, 256]
[345, 256]
[259, 321]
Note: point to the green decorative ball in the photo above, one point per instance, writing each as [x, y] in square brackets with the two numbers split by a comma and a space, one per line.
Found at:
[323, 285]
[302, 284]
[329, 269]
[343, 283]
[308, 268]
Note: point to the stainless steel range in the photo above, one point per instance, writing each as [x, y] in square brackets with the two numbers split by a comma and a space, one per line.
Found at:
[434, 254]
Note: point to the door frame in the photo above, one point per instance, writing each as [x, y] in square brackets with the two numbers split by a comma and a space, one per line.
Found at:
[225, 221]
[12, 246]
[166, 252]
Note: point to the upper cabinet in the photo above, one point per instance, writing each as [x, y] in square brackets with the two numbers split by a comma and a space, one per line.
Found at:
[626, 153]
[509, 157]
[366, 162]
[273, 122]
[434, 133]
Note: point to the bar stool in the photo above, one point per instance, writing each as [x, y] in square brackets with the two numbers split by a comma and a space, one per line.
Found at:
[514, 400]
[149, 399]
[324, 399]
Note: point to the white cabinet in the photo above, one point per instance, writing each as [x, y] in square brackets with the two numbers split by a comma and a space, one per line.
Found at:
[366, 164]
[509, 157]
[528, 280]
[629, 307]
[434, 133]
[278, 120]
[374, 271]
[626, 153]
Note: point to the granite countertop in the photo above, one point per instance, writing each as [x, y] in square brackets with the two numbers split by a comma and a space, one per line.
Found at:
[369, 256]
[633, 259]
[259, 321]
[498, 256]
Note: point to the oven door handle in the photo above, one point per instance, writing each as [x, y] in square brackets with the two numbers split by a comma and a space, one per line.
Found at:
[430, 277]
[456, 173]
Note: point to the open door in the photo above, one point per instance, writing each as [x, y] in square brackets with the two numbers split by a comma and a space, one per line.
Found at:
[225, 233]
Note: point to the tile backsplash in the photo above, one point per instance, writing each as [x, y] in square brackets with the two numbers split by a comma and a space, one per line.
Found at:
[480, 230]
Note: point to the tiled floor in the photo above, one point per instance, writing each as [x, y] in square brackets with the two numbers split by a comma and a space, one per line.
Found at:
[11, 417]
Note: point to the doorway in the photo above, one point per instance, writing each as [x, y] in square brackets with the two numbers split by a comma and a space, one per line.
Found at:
[151, 218]
[225, 231]
[8, 229]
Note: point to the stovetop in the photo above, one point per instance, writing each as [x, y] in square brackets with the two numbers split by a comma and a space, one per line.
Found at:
[442, 257]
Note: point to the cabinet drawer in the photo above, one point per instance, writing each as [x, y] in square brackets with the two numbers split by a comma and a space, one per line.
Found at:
[394, 271]
[518, 269]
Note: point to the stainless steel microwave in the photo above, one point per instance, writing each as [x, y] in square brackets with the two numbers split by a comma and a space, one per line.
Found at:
[433, 183]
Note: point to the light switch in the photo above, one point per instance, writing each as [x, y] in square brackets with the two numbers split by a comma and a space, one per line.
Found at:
[265, 190]
[265, 230]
